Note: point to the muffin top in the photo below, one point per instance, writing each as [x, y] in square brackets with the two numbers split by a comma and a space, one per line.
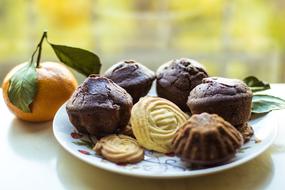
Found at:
[218, 86]
[129, 72]
[98, 92]
[183, 73]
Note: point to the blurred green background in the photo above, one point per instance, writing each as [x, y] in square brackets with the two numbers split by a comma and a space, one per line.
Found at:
[232, 38]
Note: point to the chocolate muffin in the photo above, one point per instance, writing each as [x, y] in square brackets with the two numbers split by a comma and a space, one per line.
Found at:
[134, 77]
[99, 107]
[176, 78]
[229, 98]
[206, 139]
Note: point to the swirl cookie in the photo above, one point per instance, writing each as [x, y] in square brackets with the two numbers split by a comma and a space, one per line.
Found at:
[155, 121]
[119, 149]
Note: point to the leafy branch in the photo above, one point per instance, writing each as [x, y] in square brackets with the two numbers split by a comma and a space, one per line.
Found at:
[23, 84]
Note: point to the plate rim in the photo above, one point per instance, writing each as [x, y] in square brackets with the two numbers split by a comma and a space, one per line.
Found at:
[194, 173]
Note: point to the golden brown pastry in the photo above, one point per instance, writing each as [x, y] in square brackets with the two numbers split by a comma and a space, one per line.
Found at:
[155, 121]
[119, 149]
[246, 130]
[207, 139]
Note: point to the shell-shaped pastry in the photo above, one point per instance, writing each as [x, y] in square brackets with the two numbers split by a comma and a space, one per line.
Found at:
[155, 121]
[120, 149]
[207, 139]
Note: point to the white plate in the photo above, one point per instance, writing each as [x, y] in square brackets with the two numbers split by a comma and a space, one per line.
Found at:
[157, 165]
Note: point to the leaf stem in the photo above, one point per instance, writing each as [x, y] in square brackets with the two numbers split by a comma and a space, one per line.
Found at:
[39, 50]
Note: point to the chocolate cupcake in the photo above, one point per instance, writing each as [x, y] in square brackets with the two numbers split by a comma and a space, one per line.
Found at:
[134, 77]
[176, 78]
[206, 139]
[99, 107]
[229, 98]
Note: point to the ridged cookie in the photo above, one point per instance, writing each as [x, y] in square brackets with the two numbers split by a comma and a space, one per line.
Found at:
[119, 149]
[155, 121]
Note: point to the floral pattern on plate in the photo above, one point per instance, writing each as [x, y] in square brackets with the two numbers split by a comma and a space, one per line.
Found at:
[156, 165]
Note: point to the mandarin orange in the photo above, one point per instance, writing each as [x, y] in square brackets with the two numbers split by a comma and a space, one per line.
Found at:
[55, 85]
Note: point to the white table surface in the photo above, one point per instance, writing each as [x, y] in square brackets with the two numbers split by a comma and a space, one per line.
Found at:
[31, 158]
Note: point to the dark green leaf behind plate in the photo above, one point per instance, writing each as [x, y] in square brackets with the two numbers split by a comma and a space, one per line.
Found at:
[255, 84]
[266, 103]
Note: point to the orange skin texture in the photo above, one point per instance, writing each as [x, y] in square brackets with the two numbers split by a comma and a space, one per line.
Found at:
[55, 86]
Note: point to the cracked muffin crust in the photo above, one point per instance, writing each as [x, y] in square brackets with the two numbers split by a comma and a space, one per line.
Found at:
[229, 98]
[176, 78]
[134, 77]
[99, 107]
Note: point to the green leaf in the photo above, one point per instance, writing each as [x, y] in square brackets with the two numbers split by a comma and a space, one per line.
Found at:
[266, 103]
[85, 143]
[83, 61]
[23, 87]
[255, 84]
